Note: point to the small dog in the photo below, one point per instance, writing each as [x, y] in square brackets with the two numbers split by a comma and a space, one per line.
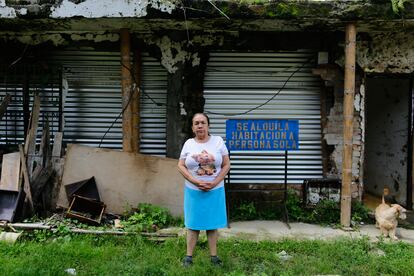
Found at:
[387, 216]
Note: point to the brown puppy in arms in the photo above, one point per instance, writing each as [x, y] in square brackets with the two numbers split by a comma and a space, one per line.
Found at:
[387, 217]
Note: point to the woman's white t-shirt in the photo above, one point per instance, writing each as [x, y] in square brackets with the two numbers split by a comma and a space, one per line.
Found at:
[203, 160]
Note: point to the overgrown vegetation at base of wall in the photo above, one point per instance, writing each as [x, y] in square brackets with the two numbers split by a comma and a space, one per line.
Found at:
[143, 218]
[325, 212]
[149, 218]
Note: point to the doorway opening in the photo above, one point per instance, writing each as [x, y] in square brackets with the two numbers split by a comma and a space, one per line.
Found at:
[388, 146]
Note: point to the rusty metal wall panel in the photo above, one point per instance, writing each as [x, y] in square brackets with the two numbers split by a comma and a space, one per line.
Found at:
[93, 102]
[246, 86]
[92, 84]
[27, 79]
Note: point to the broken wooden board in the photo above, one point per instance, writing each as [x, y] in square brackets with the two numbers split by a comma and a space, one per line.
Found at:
[57, 146]
[10, 172]
[30, 142]
[4, 104]
[27, 188]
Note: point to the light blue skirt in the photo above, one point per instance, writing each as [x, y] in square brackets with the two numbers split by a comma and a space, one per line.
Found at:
[205, 210]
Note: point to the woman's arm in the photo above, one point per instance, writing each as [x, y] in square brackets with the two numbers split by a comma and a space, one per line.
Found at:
[187, 175]
[225, 167]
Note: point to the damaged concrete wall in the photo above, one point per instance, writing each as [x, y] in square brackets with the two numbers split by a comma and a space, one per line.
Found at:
[185, 59]
[333, 134]
[332, 131]
[109, 8]
[125, 179]
[387, 52]
[85, 8]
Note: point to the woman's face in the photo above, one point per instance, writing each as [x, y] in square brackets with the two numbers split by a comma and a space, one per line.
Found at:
[200, 125]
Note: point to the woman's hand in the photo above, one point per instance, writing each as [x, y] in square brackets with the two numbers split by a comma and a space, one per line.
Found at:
[206, 185]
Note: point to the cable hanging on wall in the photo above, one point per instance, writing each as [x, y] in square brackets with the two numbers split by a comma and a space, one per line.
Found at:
[135, 88]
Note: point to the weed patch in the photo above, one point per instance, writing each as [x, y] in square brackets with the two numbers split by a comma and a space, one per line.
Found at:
[325, 212]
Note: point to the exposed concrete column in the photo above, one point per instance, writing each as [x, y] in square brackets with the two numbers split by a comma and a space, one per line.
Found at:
[349, 92]
[175, 124]
[127, 92]
[184, 99]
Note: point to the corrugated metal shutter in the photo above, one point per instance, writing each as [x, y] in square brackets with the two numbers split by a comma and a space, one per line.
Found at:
[153, 116]
[93, 99]
[237, 82]
[93, 102]
[26, 79]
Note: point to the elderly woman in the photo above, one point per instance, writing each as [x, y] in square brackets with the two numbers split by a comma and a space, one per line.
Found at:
[204, 162]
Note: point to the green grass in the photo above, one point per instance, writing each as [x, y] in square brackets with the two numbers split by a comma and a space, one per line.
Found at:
[136, 256]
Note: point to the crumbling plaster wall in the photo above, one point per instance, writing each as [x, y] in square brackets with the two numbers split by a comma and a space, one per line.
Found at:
[333, 134]
[333, 129]
[86, 8]
[380, 53]
[185, 59]
[109, 8]
[9, 12]
[175, 52]
[387, 52]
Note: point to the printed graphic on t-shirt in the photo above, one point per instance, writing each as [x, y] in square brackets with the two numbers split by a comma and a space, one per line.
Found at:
[205, 162]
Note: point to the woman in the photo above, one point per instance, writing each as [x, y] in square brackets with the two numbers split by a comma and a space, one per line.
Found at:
[204, 162]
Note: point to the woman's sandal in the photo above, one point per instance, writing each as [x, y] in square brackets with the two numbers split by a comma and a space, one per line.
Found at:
[187, 261]
[215, 260]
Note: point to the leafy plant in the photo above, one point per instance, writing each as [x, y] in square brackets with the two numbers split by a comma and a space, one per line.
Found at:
[245, 211]
[360, 213]
[60, 231]
[295, 207]
[398, 5]
[148, 217]
[326, 211]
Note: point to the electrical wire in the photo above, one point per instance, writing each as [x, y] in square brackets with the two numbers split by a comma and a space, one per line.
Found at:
[264, 103]
[135, 88]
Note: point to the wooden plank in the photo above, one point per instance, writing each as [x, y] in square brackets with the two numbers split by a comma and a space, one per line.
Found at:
[57, 145]
[27, 226]
[10, 171]
[57, 161]
[4, 105]
[136, 118]
[39, 179]
[127, 90]
[30, 143]
[44, 149]
[26, 186]
[349, 92]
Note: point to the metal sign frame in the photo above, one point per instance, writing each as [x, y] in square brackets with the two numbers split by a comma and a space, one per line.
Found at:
[261, 135]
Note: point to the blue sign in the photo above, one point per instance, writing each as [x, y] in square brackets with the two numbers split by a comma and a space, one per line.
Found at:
[260, 135]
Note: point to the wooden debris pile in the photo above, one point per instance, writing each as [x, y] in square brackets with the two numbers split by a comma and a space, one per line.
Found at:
[33, 173]
[56, 221]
